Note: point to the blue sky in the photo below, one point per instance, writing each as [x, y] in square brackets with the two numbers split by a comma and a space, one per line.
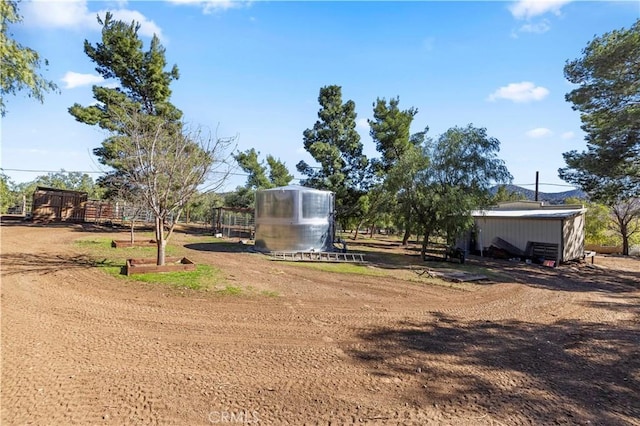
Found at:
[254, 69]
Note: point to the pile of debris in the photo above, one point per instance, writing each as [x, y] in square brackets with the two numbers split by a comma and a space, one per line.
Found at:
[536, 252]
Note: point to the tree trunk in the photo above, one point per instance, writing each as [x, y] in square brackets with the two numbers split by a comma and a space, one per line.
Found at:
[358, 225]
[160, 242]
[405, 237]
[407, 229]
[132, 233]
[625, 241]
[423, 250]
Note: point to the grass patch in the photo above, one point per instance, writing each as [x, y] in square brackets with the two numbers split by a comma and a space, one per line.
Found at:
[100, 248]
[230, 291]
[204, 276]
[342, 268]
[269, 293]
[112, 260]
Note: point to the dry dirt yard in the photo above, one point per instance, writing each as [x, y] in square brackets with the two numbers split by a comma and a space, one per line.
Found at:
[534, 345]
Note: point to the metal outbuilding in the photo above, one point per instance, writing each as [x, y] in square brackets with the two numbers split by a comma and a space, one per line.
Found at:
[538, 231]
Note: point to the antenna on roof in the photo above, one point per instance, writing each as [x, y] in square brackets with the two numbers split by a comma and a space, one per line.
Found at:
[537, 180]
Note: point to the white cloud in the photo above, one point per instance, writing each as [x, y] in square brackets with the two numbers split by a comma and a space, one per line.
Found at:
[362, 124]
[75, 14]
[539, 132]
[567, 135]
[74, 79]
[147, 28]
[525, 91]
[535, 28]
[209, 6]
[58, 14]
[527, 9]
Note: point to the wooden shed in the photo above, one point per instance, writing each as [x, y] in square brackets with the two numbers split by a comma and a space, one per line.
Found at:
[58, 205]
[532, 229]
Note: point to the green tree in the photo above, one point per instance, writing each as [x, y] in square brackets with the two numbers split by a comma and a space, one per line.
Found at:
[242, 197]
[257, 172]
[201, 207]
[626, 221]
[7, 194]
[257, 177]
[335, 145]
[19, 64]
[278, 173]
[74, 181]
[390, 130]
[143, 81]
[503, 194]
[150, 151]
[608, 98]
[463, 165]
[597, 223]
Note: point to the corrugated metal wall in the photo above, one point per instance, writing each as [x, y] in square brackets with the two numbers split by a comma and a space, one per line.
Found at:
[573, 236]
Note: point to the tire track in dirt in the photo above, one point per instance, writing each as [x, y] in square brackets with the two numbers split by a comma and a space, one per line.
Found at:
[83, 347]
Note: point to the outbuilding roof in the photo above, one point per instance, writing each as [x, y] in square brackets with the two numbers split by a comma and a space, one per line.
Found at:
[531, 213]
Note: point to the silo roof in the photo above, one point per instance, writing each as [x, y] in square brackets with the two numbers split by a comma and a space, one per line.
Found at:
[294, 188]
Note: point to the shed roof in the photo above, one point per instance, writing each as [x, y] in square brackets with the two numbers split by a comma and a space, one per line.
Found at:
[531, 213]
[44, 188]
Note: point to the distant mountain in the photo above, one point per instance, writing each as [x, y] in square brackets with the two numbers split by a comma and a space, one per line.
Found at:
[548, 197]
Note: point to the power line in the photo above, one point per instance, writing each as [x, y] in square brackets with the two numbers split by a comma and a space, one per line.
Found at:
[86, 171]
[550, 184]
[49, 171]
[3, 169]
[230, 173]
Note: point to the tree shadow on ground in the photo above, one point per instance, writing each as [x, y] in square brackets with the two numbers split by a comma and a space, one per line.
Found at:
[19, 263]
[88, 227]
[617, 303]
[219, 246]
[580, 277]
[574, 276]
[516, 372]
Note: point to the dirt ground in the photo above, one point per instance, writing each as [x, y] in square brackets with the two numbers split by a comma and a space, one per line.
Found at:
[533, 345]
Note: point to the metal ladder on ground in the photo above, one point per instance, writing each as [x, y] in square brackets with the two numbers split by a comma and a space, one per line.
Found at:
[317, 256]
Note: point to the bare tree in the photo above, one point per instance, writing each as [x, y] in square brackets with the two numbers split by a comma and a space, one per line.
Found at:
[166, 164]
[626, 220]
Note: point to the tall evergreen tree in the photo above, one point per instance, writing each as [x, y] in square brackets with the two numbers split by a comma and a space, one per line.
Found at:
[257, 177]
[335, 145]
[391, 131]
[608, 98]
[152, 156]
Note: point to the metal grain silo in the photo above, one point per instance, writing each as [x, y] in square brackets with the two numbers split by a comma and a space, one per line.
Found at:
[294, 218]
